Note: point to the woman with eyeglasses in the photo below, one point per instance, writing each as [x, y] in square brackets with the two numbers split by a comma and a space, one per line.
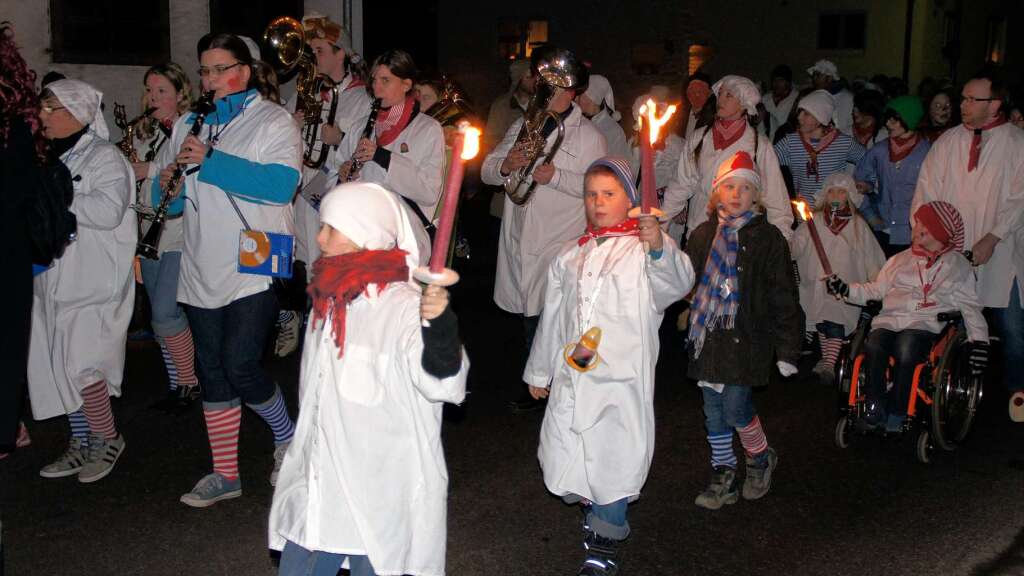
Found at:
[943, 114]
[83, 302]
[240, 172]
[168, 92]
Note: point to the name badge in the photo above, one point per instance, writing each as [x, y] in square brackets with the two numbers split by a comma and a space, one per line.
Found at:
[403, 148]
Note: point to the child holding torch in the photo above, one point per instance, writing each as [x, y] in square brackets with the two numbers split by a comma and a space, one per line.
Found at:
[364, 481]
[595, 354]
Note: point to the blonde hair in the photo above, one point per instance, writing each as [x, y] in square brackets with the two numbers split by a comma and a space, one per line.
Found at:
[179, 79]
[713, 201]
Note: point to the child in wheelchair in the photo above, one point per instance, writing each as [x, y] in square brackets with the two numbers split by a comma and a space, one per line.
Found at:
[915, 286]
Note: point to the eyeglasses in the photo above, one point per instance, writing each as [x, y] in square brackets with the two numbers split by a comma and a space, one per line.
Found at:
[972, 99]
[217, 70]
[50, 109]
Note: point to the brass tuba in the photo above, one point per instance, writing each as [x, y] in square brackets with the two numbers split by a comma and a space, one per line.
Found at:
[555, 68]
[287, 39]
[452, 104]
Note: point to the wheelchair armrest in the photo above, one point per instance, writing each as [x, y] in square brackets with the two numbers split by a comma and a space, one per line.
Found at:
[953, 316]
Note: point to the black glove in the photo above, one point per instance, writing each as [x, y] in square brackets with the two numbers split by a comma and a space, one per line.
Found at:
[837, 287]
[977, 358]
[442, 350]
[796, 273]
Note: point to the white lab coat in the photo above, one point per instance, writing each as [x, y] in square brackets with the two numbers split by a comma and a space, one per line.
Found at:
[532, 234]
[778, 114]
[613, 134]
[353, 104]
[366, 473]
[990, 199]
[899, 288]
[82, 305]
[264, 133]
[693, 182]
[597, 439]
[855, 257]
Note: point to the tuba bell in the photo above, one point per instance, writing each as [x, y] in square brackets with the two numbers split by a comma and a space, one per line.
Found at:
[555, 68]
[452, 104]
[287, 39]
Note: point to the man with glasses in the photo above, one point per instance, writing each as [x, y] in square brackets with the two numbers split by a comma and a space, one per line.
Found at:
[979, 168]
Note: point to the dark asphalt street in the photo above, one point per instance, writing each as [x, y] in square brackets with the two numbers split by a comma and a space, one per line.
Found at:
[871, 509]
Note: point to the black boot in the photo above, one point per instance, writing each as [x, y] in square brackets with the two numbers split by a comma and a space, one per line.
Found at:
[602, 555]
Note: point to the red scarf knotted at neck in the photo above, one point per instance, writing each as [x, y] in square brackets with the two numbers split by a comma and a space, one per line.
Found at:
[628, 227]
[972, 163]
[338, 280]
[836, 220]
[900, 148]
[391, 121]
[813, 151]
[725, 132]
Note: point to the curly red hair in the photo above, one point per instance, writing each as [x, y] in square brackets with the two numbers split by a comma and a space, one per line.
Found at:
[18, 97]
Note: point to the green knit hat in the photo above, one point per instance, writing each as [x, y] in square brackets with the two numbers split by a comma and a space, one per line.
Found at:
[908, 108]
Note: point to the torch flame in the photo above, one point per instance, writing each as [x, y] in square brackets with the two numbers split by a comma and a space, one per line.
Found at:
[655, 122]
[801, 207]
[471, 142]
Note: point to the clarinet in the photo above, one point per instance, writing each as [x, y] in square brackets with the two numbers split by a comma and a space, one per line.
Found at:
[371, 122]
[147, 247]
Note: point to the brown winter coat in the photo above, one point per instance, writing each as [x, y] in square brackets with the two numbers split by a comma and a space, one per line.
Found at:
[769, 322]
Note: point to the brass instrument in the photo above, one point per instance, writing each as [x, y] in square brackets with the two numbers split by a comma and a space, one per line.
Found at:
[127, 143]
[148, 245]
[371, 123]
[451, 105]
[556, 68]
[287, 39]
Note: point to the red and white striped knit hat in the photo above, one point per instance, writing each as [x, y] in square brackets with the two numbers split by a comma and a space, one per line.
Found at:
[943, 221]
[739, 165]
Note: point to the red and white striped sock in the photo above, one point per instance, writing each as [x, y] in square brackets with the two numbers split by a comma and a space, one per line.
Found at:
[96, 406]
[829, 351]
[222, 428]
[183, 354]
[752, 438]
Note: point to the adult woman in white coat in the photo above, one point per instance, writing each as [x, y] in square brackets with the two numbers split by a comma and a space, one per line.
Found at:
[533, 233]
[83, 303]
[406, 153]
[736, 98]
[241, 172]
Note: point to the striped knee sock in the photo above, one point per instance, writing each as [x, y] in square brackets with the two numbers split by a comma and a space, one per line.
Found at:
[79, 427]
[222, 429]
[172, 371]
[721, 450]
[276, 415]
[183, 356]
[829, 351]
[752, 438]
[284, 316]
[96, 405]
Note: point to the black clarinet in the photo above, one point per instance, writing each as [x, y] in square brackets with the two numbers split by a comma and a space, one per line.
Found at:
[147, 247]
[371, 123]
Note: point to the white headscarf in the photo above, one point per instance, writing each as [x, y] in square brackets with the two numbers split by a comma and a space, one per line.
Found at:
[600, 90]
[83, 102]
[372, 218]
[839, 180]
[742, 88]
[820, 104]
[254, 49]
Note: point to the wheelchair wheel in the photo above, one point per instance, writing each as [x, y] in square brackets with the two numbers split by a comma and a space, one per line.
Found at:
[955, 396]
[843, 432]
[924, 447]
[844, 370]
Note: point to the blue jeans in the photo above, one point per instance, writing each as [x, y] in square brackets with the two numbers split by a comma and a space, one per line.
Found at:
[297, 561]
[229, 347]
[1009, 324]
[609, 520]
[161, 280]
[731, 409]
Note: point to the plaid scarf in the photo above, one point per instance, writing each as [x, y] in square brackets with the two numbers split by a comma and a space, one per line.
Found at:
[338, 280]
[718, 295]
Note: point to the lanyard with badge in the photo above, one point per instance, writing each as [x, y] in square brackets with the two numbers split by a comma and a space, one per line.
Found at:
[582, 355]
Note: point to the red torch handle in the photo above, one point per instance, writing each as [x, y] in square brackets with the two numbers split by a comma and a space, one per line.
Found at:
[439, 252]
[822, 257]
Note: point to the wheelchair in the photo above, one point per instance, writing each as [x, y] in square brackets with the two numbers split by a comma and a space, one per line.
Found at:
[944, 395]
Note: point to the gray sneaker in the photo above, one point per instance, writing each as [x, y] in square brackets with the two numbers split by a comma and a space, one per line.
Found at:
[759, 480]
[279, 453]
[212, 489]
[722, 490]
[101, 457]
[69, 464]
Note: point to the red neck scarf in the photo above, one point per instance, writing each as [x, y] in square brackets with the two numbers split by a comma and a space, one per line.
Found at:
[628, 227]
[725, 132]
[338, 280]
[813, 151]
[355, 83]
[972, 163]
[864, 135]
[838, 219]
[932, 257]
[900, 148]
[391, 121]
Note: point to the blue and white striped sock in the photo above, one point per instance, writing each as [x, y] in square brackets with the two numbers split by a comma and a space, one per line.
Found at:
[172, 370]
[284, 316]
[721, 450]
[275, 413]
[79, 427]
